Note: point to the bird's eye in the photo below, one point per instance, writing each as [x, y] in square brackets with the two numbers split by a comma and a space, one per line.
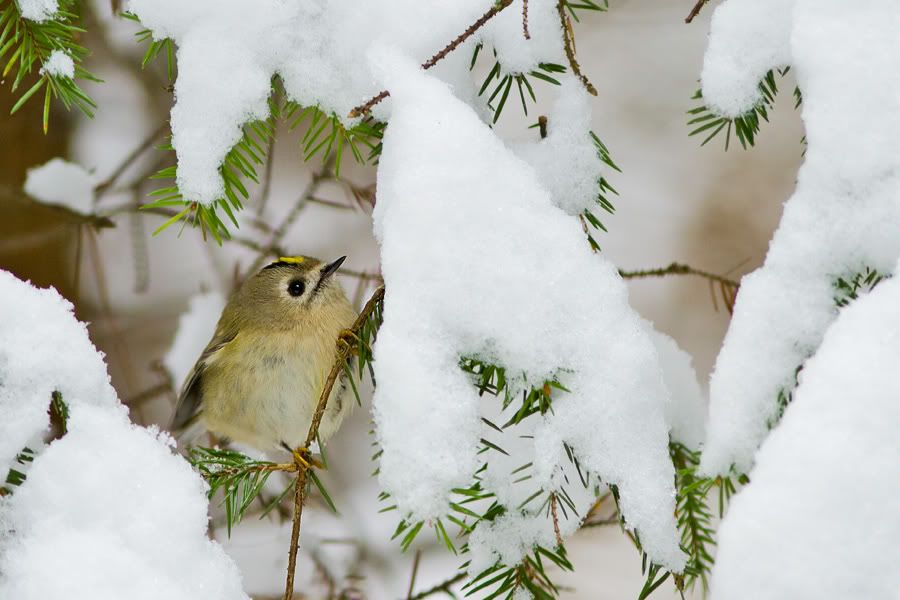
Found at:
[296, 288]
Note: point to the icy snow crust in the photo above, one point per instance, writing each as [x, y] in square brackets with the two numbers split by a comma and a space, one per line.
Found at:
[478, 260]
[108, 509]
[845, 212]
[819, 518]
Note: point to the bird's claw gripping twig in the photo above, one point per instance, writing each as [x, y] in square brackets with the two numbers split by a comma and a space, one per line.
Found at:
[304, 459]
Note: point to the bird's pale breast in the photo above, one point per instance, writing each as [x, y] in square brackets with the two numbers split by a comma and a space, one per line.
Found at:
[273, 399]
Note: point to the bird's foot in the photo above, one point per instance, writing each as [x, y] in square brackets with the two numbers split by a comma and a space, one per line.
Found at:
[349, 337]
[304, 458]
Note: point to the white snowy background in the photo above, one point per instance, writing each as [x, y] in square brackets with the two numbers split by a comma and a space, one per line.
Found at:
[677, 202]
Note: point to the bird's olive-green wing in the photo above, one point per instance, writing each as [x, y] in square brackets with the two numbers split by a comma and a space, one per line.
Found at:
[191, 397]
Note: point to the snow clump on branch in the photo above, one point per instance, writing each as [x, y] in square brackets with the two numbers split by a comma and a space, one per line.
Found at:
[478, 261]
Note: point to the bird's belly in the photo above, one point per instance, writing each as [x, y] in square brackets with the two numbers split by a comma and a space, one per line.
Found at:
[273, 400]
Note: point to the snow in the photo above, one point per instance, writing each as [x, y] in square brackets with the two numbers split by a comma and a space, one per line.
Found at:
[566, 161]
[686, 411]
[131, 523]
[825, 483]
[314, 46]
[488, 237]
[844, 215]
[745, 43]
[37, 10]
[518, 55]
[109, 508]
[195, 328]
[60, 64]
[62, 183]
[42, 349]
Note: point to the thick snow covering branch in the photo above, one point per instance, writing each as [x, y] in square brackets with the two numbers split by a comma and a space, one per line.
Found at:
[845, 213]
[43, 349]
[749, 37]
[315, 48]
[566, 161]
[108, 509]
[819, 518]
[228, 52]
[38, 10]
[478, 261]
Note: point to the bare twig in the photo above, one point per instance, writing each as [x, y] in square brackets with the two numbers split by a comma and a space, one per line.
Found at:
[366, 106]
[148, 142]
[525, 20]
[148, 394]
[696, 10]
[444, 587]
[678, 269]
[556, 532]
[267, 177]
[542, 126]
[569, 45]
[415, 571]
[278, 234]
[343, 352]
[601, 522]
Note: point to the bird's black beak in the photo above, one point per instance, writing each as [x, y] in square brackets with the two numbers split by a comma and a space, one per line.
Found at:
[329, 269]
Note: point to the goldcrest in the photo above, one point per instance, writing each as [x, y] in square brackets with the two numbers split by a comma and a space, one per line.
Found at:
[260, 377]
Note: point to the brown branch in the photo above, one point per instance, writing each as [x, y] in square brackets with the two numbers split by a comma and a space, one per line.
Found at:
[104, 186]
[678, 269]
[148, 394]
[601, 522]
[696, 10]
[444, 586]
[267, 177]
[343, 353]
[556, 532]
[278, 234]
[525, 20]
[366, 106]
[569, 45]
[415, 571]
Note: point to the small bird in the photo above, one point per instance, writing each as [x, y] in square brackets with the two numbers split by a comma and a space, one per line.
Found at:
[260, 377]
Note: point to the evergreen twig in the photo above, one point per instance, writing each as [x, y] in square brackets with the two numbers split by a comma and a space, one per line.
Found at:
[569, 45]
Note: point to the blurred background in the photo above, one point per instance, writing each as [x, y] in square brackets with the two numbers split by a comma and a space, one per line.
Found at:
[678, 202]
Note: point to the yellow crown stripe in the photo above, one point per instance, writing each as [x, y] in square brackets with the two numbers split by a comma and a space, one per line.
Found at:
[294, 260]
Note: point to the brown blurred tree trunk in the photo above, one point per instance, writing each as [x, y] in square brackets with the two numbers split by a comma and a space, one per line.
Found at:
[36, 242]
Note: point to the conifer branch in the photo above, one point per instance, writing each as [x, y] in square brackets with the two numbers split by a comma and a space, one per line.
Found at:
[366, 106]
[569, 45]
[345, 348]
